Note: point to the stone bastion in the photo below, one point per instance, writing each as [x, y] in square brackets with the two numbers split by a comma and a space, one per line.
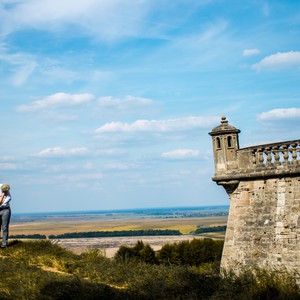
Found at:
[263, 184]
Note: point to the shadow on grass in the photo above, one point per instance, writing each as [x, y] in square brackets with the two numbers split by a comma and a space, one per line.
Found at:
[77, 289]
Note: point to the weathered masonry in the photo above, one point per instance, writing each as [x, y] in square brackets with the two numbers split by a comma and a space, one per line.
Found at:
[263, 184]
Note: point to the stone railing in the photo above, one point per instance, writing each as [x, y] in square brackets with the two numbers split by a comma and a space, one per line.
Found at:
[273, 155]
[262, 161]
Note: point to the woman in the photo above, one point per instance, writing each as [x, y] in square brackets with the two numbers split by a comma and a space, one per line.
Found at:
[5, 213]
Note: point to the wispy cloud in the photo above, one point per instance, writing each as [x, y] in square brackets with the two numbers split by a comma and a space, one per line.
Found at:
[54, 73]
[280, 114]
[8, 166]
[23, 65]
[55, 101]
[213, 30]
[181, 154]
[250, 52]
[107, 19]
[58, 151]
[128, 104]
[280, 60]
[266, 9]
[203, 46]
[119, 166]
[80, 177]
[22, 74]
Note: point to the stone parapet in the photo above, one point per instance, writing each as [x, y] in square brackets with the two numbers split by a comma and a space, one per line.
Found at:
[264, 161]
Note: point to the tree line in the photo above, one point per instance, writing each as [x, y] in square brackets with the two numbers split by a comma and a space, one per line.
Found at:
[28, 236]
[97, 234]
[210, 229]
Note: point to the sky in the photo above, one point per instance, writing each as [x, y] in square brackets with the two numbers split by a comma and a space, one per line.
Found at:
[107, 104]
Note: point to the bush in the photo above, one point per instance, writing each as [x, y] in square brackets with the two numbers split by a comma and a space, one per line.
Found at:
[192, 253]
[139, 251]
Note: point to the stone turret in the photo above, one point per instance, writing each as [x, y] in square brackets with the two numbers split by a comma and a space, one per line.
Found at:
[225, 145]
[263, 184]
[225, 139]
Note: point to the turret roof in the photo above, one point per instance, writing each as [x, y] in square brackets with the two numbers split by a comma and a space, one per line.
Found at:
[224, 127]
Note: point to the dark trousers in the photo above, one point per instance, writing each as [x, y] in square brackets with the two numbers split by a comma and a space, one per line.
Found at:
[4, 224]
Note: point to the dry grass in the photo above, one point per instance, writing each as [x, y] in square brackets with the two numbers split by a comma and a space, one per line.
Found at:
[111, 245]
[184, 225]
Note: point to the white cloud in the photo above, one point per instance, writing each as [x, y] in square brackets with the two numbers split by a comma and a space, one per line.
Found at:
[279, 114]
[129, 102]
[57, 151]
[181, 153]
[56, 100]
[180, 124]
[280, 60]
[250, 52]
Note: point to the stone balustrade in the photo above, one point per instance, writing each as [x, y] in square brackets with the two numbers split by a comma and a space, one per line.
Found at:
[275, 154]
[263, 161]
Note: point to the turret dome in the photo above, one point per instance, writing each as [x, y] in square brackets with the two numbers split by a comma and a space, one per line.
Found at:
[224, 127]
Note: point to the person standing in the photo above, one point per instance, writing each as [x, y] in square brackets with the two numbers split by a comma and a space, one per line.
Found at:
[5, 213]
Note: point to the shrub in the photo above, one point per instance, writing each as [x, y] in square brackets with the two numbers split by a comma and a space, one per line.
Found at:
[258, 284]
[192, 253]
[139, 251]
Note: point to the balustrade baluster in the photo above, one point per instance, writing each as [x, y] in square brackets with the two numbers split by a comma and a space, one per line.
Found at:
[294, 154]
[254, 157]
[269, 156]
[260, 156]
[276, 155]
[285, 151]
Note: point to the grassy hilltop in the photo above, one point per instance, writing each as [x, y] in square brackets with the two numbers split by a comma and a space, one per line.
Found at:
[43, 270]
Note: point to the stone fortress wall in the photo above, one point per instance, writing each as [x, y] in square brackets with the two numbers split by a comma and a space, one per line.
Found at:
[263, 184]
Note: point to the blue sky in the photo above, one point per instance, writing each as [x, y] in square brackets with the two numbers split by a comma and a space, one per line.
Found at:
[107, 104]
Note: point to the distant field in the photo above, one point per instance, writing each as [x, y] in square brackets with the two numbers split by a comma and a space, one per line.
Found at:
[184, 225]
[111, 245]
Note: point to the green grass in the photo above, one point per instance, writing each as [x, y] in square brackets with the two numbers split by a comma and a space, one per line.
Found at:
[42, 270]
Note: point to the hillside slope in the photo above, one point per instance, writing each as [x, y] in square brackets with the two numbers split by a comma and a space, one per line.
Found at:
[42, 270]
